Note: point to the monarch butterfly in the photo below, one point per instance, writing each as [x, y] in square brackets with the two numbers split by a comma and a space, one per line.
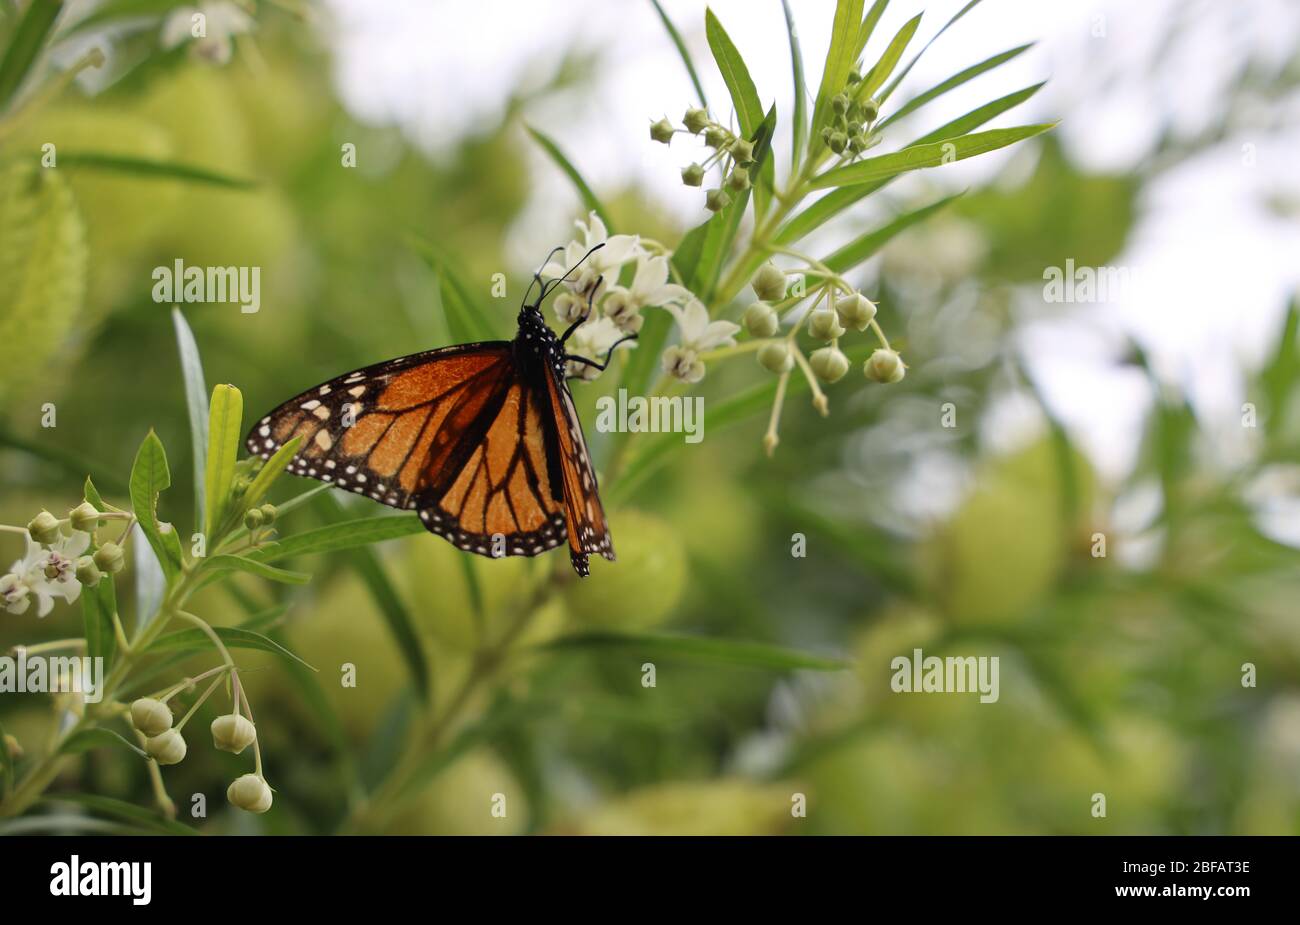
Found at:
[482, 440]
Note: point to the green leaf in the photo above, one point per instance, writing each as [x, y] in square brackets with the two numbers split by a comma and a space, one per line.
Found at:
[120, 809]
[853, 253]
[888, 91]
[98, 604]
[681, 50]
[149, 478]
[71, 464]
[729, 651]
[918, 157]
[146, 13]
[718, 240]
[233, 637]
[465, 321]
[744, 96]
[146, 169]
[838, 200]
[589, 198]
[346, 535]
[1280, 376]
[956, 80]
[868, 27]
[88, 739]
[799, 126]
[225, 420]
[269, 472]
[196, 403]
[841, 56]
[880, 72]
[390, 604]
[226, 563]
[25, 46]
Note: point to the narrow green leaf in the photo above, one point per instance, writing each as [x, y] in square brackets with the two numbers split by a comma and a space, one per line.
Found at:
[25, 45]
[868, 27]
[918, 157]
[744, 96]
[233, 637]
[721, 234]
[956, 80]
[225, 420]
[98, 604]
[196, 403]
[841, 56]
[880, 72]
[146, 169]
[465, 321]
[226, 563]
[146, 13]
[853, 253]
[730, 651]
[898, 78]
[98, 737]
[120, 809]
[589, 199]
[346, 535]
[838, 200]
[681, 50]
[150, 477]
[390, 603]
[72, 464]
[269, 472]
[799, 127]
[1279, 377]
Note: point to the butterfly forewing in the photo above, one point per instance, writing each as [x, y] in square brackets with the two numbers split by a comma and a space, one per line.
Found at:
[371, 430]
[588, 531]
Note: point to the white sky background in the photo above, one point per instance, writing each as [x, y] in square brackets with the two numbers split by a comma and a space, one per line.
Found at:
[1218, 266]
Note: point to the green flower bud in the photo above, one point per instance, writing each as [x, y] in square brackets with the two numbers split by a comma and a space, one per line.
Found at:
[233, 733]
[829, 363]
[742, 151]
[884, 366]
[693, 175]
[856, 311]
[855, 77]
[44, 528]
[826, 135]
[776, 357]
[769, 283]
[760, 320]
[870, 110]
[88, 573]
[84, 517]
[696, 120]
[840, 103]
[824, 324]
[716, 200]
[253, 519]
[838, 142]
[857, 144]
[739, 179]
[12, 746]
[715, 136]
[661, 131]
[110, 558]
[268, 514]
[150, 716]
[855, 128]
[250, 792]
[167, 747]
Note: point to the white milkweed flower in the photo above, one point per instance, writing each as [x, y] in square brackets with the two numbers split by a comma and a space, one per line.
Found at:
[696, 334]
[592, 340]
[650, 287]
[45, 573]
[591, 278]
[221, 22]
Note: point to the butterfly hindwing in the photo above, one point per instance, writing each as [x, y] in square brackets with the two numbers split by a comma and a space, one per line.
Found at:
[371, 430]
[588, 530]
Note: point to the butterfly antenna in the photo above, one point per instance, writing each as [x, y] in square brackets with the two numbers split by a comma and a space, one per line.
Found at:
[537, 277]
[550, 287]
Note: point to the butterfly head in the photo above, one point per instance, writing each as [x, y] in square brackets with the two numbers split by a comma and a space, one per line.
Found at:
[546, 286]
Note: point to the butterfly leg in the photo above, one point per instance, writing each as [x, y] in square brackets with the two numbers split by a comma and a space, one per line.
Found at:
[608, 353]
[591, 297]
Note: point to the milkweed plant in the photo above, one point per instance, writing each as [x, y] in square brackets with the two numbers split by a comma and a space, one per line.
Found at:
[741, 283]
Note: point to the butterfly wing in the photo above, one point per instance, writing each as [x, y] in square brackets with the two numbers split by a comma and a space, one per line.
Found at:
[497, 490]
[585, 516]
[371, 430]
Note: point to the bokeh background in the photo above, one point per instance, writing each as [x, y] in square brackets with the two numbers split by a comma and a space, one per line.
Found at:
[1120, 675]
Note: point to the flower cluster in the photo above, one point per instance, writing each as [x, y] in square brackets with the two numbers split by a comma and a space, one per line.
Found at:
[733, 155]
[56, 563]
[849, 133]
[608, 313]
